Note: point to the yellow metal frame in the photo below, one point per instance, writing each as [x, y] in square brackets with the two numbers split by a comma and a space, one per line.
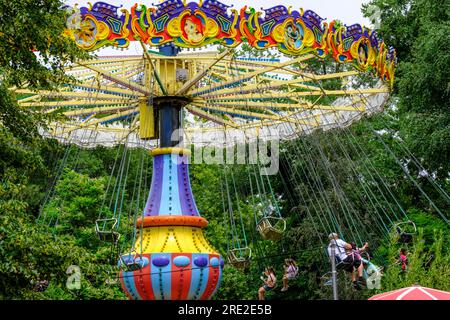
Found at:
[233, 94]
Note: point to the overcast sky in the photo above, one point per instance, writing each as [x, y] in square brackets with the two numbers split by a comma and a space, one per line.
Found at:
[348, 11]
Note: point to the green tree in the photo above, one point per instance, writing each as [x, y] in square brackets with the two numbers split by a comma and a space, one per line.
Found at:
[419, 29]
[32, 258]
[75, 206]
[33, 53]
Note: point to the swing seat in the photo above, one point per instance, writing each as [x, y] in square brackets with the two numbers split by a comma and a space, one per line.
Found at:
[271, 228]
[327, 279]
[132, 263]
[107, 235]
[405, 236]
[328, 283]
[112, 281]
[343, 265]
[340, 266]
[240, 257]
[370, 273]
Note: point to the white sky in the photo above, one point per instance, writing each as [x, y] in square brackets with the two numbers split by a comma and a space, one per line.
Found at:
[348, 11]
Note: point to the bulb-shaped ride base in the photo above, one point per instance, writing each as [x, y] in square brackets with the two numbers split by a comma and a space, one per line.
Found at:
[175, 260]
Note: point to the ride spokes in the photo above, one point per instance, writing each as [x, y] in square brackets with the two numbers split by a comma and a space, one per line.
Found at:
[144, 100]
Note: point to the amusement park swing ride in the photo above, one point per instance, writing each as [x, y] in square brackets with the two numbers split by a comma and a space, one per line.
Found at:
[150, 96]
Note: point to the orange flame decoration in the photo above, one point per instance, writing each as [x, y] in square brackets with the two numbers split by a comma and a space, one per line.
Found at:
[193, 25]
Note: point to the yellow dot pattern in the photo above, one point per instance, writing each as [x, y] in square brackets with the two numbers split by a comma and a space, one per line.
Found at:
[173, 239]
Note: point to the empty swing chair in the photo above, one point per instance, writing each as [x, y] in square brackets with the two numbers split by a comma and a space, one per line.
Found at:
[271, 228]
[406, 231]
[240, 257]
[105, 226]
[327, 278]
[105, 229]
[131, 262]
[240, 253]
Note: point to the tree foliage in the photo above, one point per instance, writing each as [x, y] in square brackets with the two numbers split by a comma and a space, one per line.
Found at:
[360, 180]
[33, 53]
[419, 29]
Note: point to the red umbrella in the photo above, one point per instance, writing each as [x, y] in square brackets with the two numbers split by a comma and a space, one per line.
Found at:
[413, 293]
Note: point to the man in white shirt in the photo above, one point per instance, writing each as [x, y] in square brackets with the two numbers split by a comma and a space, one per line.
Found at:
[343, 252]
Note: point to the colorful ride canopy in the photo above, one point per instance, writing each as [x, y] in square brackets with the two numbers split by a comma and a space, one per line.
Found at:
[230, 94]
[193, 25]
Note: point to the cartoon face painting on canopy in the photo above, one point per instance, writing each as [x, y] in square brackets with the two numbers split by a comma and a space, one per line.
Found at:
[363, 53]
[293, 35]
[192, 28]
[86, 35]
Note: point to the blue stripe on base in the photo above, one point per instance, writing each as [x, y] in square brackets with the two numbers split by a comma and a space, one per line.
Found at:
[170, 199]
[219, 281]
[128, 279]
[199, 278]
[161, 278]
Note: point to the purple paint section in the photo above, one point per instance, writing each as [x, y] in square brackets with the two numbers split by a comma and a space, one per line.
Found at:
[154, 198]
[161, 261]
[185, 196]
[188, 207]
